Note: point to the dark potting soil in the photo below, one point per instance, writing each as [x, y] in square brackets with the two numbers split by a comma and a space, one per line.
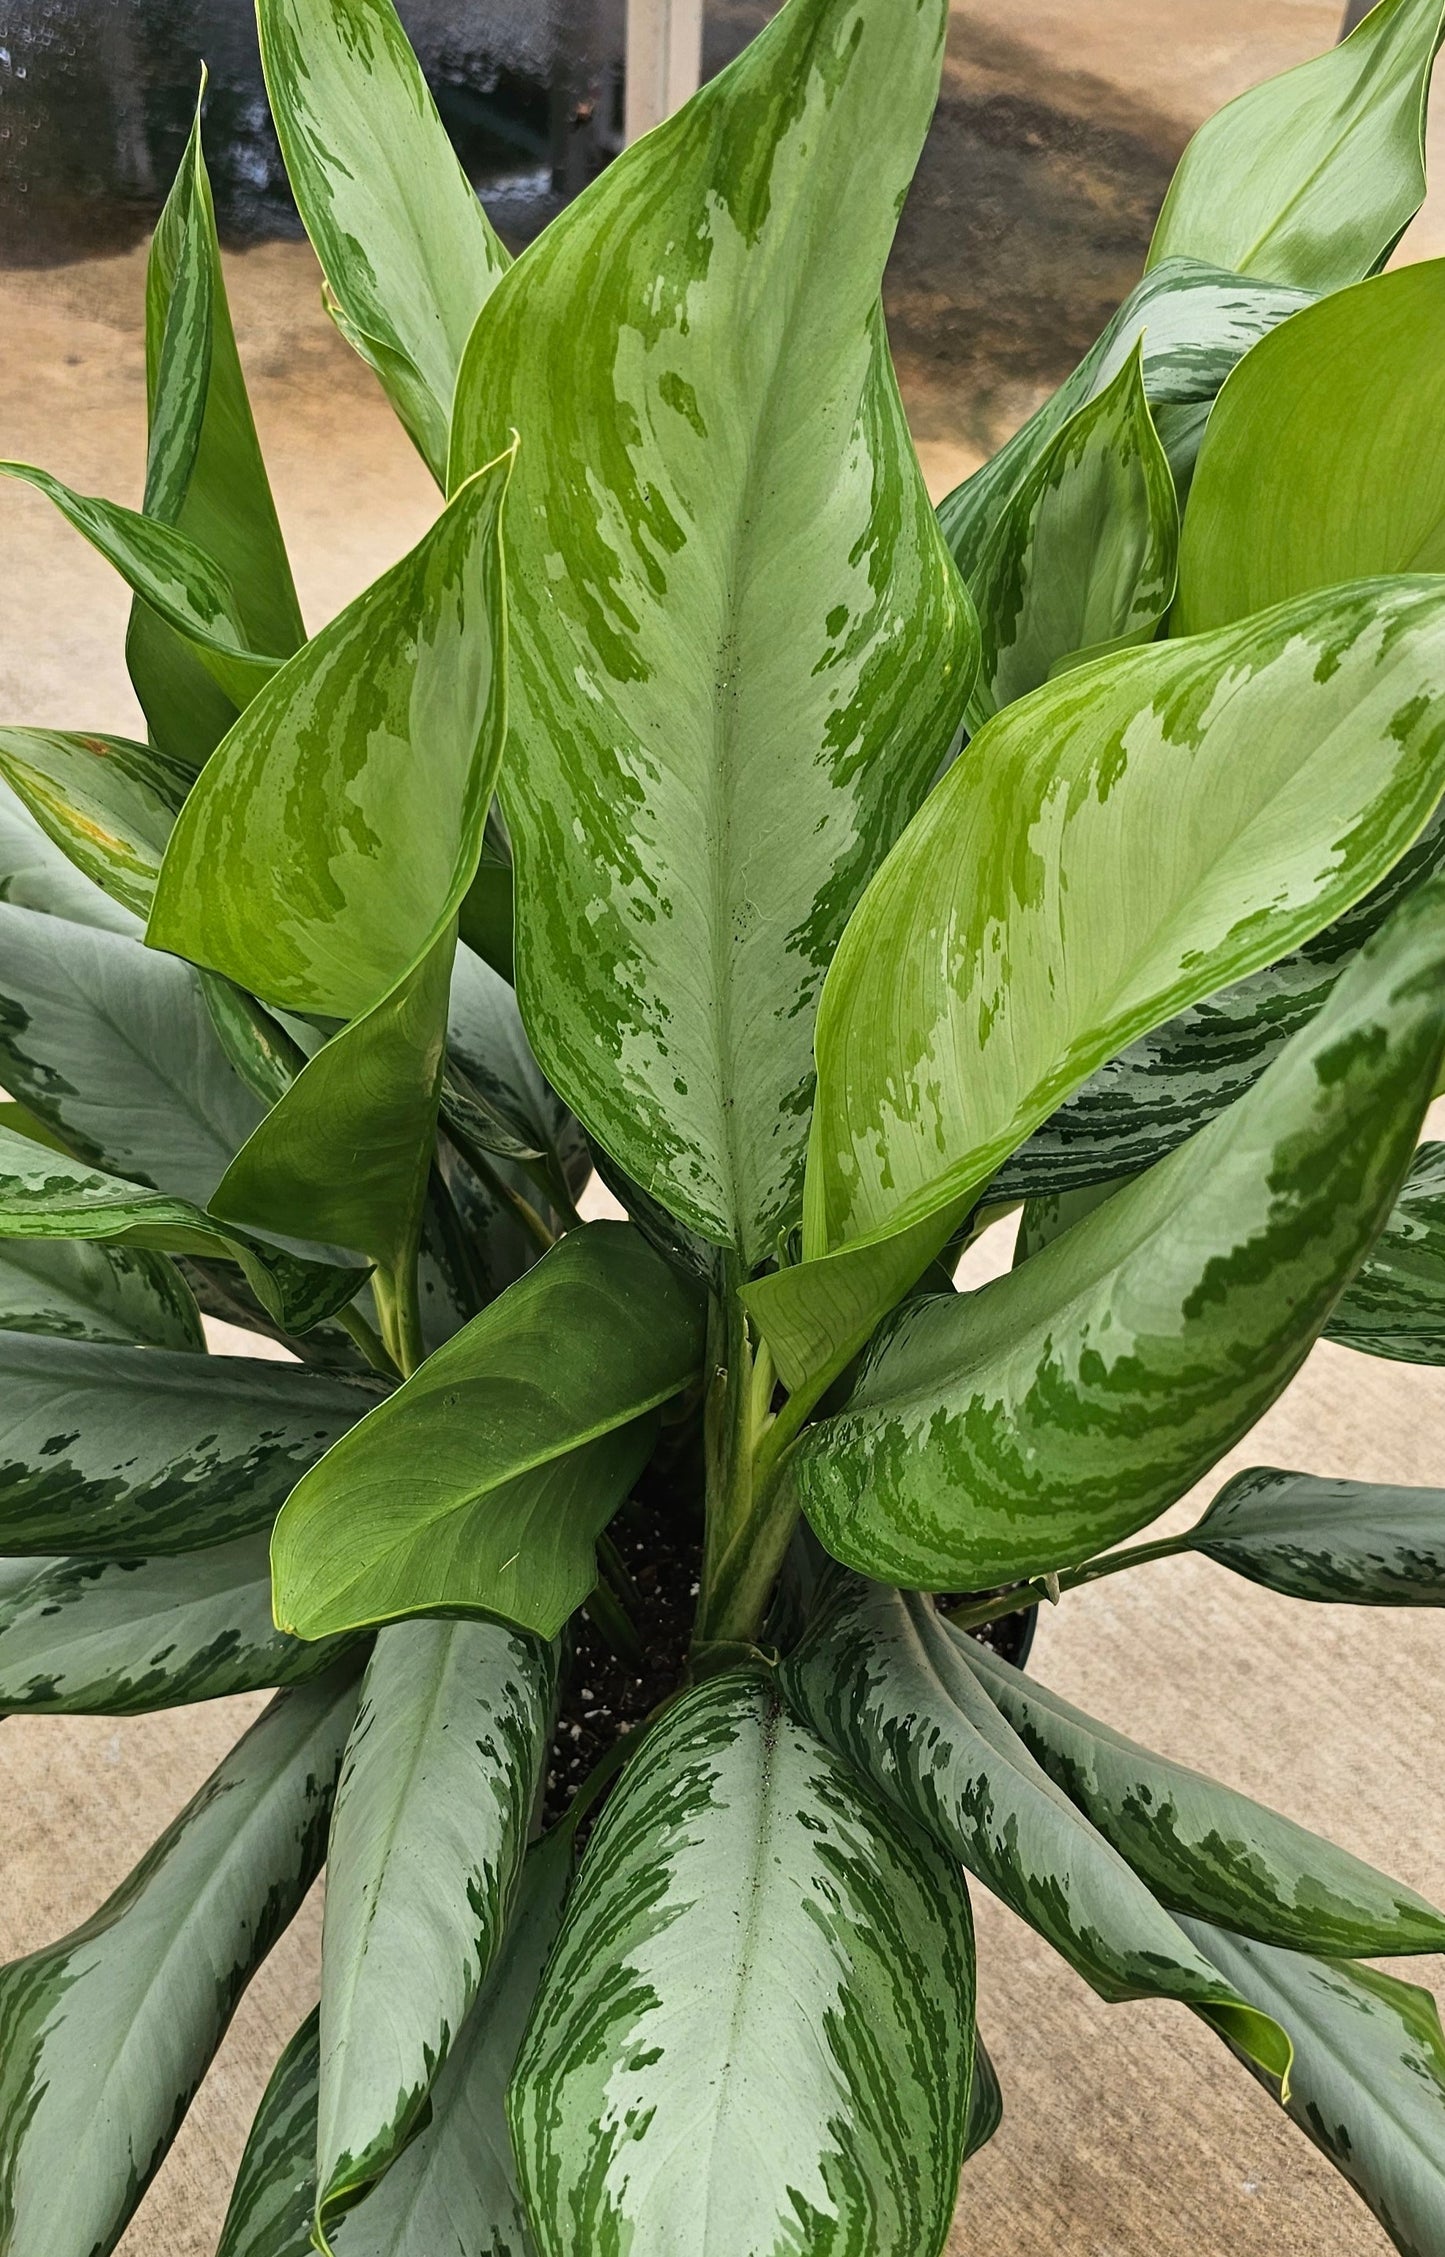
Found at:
[608, 1695]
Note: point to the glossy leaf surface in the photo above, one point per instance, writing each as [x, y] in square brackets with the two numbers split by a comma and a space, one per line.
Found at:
[436, 1797]
[403, 241]
[1168, 1083]
[1360, 1543]
[117, 1453]
[46, 1196]
[1204, 1849]
[756, 2032]
[204, 475]
[988, 970]
[1312, 177]
[1324, 459]
[740, 652]
[105, 2035]
[1004, 1433]
[107, 803]
[483, 1483]
[36, 874]
[1189, 322]
[1368, 2083]
[347, 805]
[1083, 554]
[1394, 1305]
[883, 1679]
[454, 2188]
[97, 1637]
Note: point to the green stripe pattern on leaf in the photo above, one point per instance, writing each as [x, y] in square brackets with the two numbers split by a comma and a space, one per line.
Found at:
[105, 2035]
[1394, 1305]
[1361, 1543]
[1012, 1431]
[756, 2032]
[731, 687]
[436, 1796]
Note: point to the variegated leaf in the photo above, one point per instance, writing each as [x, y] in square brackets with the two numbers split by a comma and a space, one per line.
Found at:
[1394, 1305]
[755, 2035]
[1361, 1543]
[436, 1796]
[89, 1292]
[1202, 1848]
[107, 803]
[105, 2035]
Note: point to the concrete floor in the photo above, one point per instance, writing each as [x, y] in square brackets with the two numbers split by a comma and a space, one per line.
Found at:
[1128, 2131]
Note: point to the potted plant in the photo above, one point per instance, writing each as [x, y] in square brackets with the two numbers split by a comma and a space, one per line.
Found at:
[693, 802]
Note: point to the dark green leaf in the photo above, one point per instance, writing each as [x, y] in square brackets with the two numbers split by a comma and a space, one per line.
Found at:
[403, 242]
[89, 1292]
[731, 696]
[1001, 1434]
[1368, 2082]
[98, 1637]
[1202, 1848]
[432, 1814]
[985, 2101]
[884, 1680]
[1312, 177]
[1395, 1304]
[117, 1453]
[757, 2027]
[1362, 1543]
[105, 2035]
[483, 1483]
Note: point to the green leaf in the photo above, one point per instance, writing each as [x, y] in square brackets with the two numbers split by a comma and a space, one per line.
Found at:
[1313, 177]
[1190, 324]
[105, 2035]
[882, 1679]
[989, 970]
[1324, 459]
[488, 914]
[1202, 1848]
[432, 1814]
[985, 2101]
[1005, 1433]
[1363, 1543]
[36, 874]
[756, 2029]
[45, 1195]
[1368, 2082]
[729, 700]
[187, 589]
[108, 804]
[204, 475]
[98, 1637]
[348, 855]
[118, 1453]
[482, 1484]
[1084, 551]
[454, 2187]
[496, 1080]
[1395, 1304]
[403, 242]
[1169, 1082]
[88, 1292]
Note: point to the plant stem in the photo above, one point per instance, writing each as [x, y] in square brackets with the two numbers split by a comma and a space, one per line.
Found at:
[398, 1309]
[368, 1340]
[965, 1617]
[610, 1618]
[748, 1524]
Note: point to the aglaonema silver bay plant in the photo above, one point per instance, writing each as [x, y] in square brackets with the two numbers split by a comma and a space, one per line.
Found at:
[646, 1599]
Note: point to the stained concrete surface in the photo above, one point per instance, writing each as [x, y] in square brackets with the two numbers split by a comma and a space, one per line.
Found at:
[1128, 2132]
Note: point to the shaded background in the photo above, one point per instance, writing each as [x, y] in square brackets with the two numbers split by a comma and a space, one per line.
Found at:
[1128, 2131]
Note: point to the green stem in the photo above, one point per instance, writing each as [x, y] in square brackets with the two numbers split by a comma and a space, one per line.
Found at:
[368, 1340]
[608, 1616]
[748, 1523]
[398, 1309]
[965, 1617]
